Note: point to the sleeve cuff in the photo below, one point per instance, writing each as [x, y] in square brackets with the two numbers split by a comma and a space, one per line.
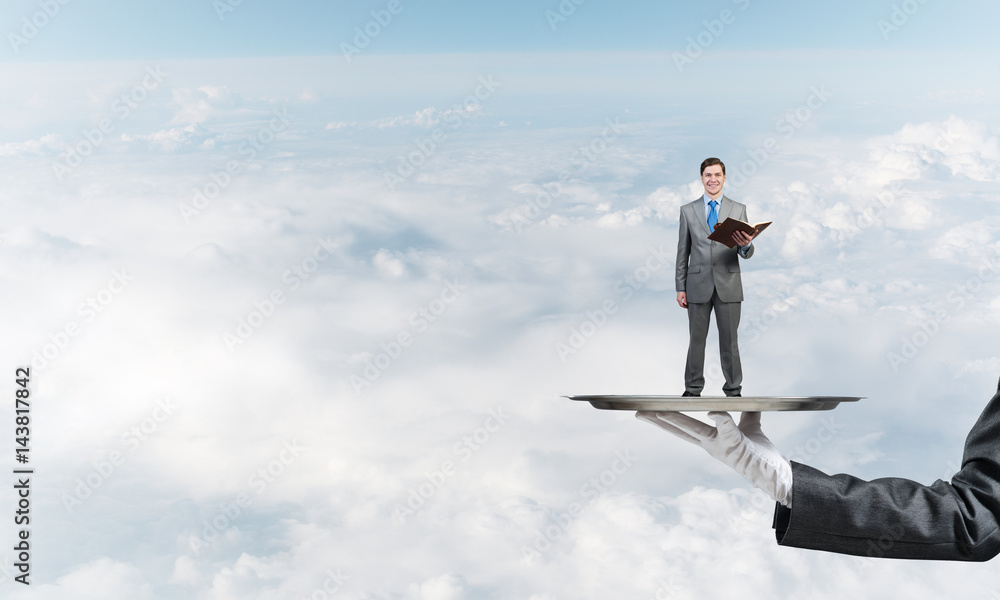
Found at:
[782, 515]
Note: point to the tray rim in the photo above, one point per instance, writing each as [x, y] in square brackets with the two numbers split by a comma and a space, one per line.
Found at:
[670, 397]
[712, 403]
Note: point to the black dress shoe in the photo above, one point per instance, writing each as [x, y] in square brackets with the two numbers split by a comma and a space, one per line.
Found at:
[736, 395]
[688, 394]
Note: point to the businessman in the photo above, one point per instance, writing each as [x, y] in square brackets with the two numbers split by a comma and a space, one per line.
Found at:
[883, 518]
[708, 279]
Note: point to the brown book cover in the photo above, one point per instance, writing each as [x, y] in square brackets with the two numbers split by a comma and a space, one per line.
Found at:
[724, 231]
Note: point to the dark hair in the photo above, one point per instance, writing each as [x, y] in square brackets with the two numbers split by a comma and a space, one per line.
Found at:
[708, 162]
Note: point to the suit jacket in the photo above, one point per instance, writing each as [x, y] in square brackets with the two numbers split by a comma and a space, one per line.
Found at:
[704, 265]
[899, 518]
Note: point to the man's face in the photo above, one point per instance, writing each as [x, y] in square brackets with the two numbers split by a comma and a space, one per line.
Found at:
[713, 180]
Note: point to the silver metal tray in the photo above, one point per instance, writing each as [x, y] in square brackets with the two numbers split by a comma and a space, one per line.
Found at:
[710, 403]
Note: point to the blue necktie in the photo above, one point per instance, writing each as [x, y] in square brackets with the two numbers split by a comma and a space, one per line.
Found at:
[713, 217]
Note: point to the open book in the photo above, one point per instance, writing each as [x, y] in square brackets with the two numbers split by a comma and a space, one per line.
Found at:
[724, 231]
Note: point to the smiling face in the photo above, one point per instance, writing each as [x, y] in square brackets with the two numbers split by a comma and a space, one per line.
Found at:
[713, 179]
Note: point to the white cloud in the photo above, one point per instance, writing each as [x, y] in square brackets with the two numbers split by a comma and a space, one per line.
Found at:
[47, 144]
[203, 103]
[425, 118]
[388, 265]
[828, 295]
[626, 218]
[340, 125]
[309, 96]
[804, 238]
[443, 587]
[959, 243]
[963, 148]
[102, 578]
[186, 571]
[175, 138]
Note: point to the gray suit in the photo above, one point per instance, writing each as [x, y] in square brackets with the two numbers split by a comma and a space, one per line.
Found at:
[899, 518]
[709, 272]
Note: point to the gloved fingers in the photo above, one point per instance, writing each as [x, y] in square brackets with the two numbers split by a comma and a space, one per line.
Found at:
[650, 417]
[726, 427]
[689, 425]
[681, 425]
[750, 422]
[750, 426]
[749, 418]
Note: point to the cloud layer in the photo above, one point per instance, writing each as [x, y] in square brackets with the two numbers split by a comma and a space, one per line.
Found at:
[291, 378]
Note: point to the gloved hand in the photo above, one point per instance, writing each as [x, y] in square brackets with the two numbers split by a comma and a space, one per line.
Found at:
[745, 448]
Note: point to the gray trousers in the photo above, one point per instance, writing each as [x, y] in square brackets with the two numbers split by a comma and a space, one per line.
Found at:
[727, 321]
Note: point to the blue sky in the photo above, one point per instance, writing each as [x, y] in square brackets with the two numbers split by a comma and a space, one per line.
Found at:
[194, 29]
[350, 280]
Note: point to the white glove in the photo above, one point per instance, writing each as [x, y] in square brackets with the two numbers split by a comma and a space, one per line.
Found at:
[745, 448]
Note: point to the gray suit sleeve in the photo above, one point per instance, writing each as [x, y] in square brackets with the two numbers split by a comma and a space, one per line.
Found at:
[749, 251]
[683, 252]
[899, 518]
